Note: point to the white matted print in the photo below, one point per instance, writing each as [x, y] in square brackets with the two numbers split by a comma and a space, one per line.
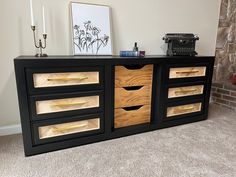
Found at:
[91, 29]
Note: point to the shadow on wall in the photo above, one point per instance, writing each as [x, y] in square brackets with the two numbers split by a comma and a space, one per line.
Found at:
[9, 113]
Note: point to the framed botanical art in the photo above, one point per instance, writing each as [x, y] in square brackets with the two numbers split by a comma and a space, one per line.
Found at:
[91, 29]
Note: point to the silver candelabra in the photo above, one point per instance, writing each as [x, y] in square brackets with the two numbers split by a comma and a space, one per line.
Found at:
[41, 45]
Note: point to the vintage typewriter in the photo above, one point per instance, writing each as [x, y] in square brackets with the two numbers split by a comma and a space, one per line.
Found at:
[180, 44]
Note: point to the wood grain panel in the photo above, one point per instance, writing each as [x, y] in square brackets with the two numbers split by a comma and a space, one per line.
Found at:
[125, 98]
[67, 104]
[185, 91]
[125, 118]
[68, 128]
[183, 109]
[133, 77]
[65, 79]
[187, 72]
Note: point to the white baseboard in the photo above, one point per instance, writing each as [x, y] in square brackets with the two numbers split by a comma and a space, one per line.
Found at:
[10, 130]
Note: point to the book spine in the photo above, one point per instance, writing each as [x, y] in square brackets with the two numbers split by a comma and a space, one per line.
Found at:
[129, 53]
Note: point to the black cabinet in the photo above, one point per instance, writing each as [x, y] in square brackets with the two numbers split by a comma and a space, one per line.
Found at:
[67, 101]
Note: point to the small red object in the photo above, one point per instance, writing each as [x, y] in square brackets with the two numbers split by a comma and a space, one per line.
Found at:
[142, 53]
[234, 79]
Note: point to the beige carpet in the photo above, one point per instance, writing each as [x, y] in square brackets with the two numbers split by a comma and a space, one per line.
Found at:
[202, 149]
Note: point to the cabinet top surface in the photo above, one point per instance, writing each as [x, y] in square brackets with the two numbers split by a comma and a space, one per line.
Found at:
[113, 57]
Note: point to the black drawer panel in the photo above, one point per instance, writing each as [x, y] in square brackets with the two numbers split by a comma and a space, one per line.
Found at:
[176, 92]
[48, 131]
[188, 72]
[56, 80]
[183, 109]
[67, 104]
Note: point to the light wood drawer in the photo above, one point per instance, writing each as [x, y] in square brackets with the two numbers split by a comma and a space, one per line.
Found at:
[126, 98]
[183, 109]
[185, 91]
[67, 104]
[125, 77]
[185, 72]
[62, 129]
[124, 117]
[41, 80]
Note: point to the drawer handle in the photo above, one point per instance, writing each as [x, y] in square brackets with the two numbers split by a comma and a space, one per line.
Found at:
[133, 88]
[70, 127]
[67, 78]
[187, 72]
[132, 108]
[185, 91]
[133, 67]
[184, 108]
[69, 104]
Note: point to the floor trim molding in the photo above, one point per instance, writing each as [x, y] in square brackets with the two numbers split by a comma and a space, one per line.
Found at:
[10, 130]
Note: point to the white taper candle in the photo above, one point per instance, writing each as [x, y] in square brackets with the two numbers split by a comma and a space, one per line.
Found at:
[44, 24]
[31, 13]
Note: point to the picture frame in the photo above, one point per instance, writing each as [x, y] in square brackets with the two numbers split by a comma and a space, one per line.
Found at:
[91, 29]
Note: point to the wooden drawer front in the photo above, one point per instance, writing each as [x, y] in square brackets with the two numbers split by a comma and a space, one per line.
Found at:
[124, 118]
[185, 91]
[61, 129]
[41, 80]
[187, 72]
[125, 98]
[133, 77]
[67, 104]
[183, 109]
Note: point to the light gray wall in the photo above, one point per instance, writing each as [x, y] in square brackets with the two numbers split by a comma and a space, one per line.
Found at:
[144, 21]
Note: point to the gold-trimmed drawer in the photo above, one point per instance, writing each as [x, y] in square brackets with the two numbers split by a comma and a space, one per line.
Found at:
[185, 91]
[184, 109]
[125, 97]
[44, 80]
[68, 127]
[62, 129]
[66, 104]
[126, 77]
[185, 72]
[126, 117]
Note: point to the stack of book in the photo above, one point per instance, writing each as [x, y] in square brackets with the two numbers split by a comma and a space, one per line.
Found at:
[132, 53]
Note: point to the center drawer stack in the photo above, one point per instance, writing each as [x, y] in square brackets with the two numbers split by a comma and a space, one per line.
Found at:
[133, 89]
[65, 103]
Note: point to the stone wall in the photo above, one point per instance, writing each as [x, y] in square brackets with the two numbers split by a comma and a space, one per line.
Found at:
[223, 91]
[226, 42]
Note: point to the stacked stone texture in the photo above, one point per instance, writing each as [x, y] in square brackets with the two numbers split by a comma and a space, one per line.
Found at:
[223, 92]
[226, 41]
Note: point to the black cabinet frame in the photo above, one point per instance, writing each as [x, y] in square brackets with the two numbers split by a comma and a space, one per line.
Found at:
[26, 65]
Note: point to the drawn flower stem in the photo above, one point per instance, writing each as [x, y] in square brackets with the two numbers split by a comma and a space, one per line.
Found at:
[101, 43]
[86, 41]
[97, 44]
[77, 45]
[78, 32]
